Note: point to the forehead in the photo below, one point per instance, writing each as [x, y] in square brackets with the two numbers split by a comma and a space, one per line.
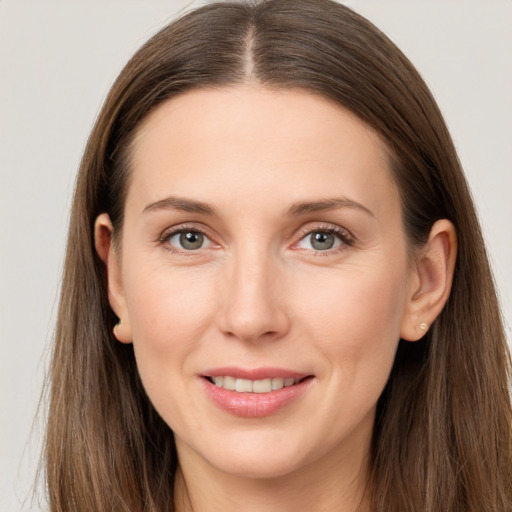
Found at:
[250, 139]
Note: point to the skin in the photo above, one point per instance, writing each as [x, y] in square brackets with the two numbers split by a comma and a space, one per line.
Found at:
[257, 293]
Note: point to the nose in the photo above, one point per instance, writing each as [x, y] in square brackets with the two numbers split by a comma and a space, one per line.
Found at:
[253, 299]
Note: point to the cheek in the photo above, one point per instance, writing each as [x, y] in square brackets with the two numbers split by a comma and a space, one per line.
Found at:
[355, 325]
[169, 312]
[355, 318]
[167, 308]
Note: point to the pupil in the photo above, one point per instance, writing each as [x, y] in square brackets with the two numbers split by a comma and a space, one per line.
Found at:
[322, 241]
[191, 240]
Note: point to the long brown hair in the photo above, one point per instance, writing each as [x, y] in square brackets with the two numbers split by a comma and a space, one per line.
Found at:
[442, 438]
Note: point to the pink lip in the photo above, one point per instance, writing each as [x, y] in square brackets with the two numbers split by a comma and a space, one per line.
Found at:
[254, 405]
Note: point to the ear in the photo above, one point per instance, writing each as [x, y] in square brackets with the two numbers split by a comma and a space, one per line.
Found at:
[431, 280]
[103, 233]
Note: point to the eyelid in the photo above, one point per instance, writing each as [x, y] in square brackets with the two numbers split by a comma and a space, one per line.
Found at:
[168, 233]
[344, 235]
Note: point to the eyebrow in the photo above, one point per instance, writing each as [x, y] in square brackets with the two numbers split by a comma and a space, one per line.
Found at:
[302, 208]
[299, 208]
[179, 203]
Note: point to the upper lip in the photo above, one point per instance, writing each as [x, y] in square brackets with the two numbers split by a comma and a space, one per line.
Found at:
[254, 373]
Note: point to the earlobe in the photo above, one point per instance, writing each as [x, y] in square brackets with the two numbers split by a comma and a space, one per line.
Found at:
[123, 331]
[103, 241]
[431, 281]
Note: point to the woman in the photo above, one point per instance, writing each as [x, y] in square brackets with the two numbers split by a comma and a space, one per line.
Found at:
[276, 293]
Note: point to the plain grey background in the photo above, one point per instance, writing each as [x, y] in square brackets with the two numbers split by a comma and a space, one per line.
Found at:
[57, 61]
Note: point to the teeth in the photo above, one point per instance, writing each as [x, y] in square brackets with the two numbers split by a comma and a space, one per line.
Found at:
[277, 383]
[253, 386]
[229, 383]
[243, 386]
[262, 386]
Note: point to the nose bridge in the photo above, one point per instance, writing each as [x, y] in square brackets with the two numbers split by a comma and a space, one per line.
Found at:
[252, 304]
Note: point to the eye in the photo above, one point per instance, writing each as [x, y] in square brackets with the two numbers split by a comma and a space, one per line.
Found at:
[324, 240]
[319, 241]
[188, 240]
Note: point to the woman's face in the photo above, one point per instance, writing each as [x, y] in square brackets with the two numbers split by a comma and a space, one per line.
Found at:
[262, 250]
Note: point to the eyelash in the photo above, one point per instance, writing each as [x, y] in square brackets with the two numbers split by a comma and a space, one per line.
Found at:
[345, 237]
[183, 228]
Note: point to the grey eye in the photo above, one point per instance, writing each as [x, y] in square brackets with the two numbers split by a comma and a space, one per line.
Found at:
[189, 240]
[321, 240]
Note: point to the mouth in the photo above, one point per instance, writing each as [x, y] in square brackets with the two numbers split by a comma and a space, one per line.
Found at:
[262, 386]
[257, 392]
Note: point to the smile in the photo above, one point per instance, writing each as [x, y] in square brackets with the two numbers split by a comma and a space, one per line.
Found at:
[255, 393]
[253, 386]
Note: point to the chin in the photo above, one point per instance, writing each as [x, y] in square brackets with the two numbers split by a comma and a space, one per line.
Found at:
[258, 456]
[259, 467]
[255, 453]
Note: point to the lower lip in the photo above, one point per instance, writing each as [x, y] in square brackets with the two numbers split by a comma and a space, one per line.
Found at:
[255, 405]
